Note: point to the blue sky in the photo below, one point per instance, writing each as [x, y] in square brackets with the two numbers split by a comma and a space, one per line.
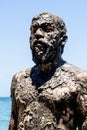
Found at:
[15, 20]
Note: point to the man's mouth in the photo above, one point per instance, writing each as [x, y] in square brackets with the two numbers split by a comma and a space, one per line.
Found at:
[42, 52]
[40, 47]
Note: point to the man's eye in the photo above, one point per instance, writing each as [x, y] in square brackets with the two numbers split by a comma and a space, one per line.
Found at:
[47, 27]
[50, 28]
[34, 28]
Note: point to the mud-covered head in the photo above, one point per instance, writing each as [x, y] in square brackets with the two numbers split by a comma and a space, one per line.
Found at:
[47, 39]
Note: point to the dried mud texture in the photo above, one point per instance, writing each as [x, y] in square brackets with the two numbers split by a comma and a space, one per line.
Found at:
[54, 102]
[53, 94]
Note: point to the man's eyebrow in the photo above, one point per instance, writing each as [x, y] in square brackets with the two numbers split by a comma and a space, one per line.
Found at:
[46, 23]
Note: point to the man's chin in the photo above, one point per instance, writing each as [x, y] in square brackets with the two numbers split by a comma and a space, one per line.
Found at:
[43, 59]
[40, 62]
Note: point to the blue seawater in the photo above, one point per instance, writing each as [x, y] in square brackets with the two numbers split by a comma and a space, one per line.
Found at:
[5, 111]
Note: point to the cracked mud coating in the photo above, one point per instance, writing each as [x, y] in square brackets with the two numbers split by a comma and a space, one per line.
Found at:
[52, 95]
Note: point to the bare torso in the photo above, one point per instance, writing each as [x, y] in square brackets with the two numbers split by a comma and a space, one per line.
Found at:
[47, 103]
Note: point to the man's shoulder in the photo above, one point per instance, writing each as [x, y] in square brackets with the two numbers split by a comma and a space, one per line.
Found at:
[73, 68]
[81, 74]
[21, 82]
[23, 73]
[20, 76]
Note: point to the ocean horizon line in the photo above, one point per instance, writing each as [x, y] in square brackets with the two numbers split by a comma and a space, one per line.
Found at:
[4, 96]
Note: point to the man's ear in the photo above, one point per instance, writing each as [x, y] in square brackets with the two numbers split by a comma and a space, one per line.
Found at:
[63, 40]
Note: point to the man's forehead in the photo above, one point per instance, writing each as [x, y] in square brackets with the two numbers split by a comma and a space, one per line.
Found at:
[40, 19]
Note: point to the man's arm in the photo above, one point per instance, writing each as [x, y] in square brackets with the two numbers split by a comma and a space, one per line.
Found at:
[82, 99]
[13, 119]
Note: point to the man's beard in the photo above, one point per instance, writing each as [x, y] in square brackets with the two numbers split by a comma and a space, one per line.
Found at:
[43, 53]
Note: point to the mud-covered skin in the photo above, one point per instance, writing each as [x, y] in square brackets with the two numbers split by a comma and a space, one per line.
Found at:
[54, 103]
[53, 94]
[48, 33]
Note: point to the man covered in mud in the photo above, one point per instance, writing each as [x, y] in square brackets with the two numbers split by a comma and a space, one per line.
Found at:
[53, 94]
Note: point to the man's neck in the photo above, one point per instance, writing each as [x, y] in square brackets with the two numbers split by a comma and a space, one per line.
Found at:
[51, 66]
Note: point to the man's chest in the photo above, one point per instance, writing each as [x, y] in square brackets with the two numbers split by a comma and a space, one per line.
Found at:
[46, 101]
[61, 86]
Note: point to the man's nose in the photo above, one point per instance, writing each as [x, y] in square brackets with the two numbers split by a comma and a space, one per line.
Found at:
[39, 33]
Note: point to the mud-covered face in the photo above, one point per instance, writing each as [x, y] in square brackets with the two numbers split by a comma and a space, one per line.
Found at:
[44, 40]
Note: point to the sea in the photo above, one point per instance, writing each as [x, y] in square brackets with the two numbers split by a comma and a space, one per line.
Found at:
[5, 111]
